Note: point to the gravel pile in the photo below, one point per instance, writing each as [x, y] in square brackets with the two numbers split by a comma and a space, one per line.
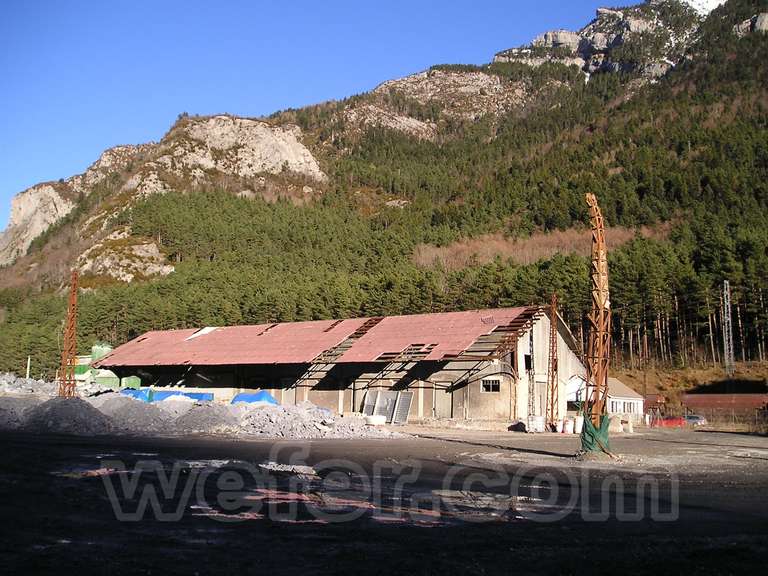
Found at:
[109, 412]
[207, 418]
[305, 420]
[67, 416]
[175, 406]
[131, 415]
[14, 410]
[12, 384]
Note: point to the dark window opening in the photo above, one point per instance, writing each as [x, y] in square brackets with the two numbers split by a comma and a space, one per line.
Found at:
[490, 385]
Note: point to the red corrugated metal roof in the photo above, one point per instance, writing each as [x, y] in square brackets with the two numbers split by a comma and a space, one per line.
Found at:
[443, 334]
[287, 343]
[450, 332]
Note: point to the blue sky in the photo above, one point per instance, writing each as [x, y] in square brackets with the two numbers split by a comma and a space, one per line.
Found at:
[77, 77]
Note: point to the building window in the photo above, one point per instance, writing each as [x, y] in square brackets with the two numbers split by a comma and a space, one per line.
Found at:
[490, 385]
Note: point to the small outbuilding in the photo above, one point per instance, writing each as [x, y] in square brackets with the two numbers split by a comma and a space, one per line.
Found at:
[622, 400]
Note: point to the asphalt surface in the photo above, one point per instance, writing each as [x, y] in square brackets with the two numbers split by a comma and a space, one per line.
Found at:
[443, 502]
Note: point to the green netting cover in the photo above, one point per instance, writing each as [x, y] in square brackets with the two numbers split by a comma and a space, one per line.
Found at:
[595, 439]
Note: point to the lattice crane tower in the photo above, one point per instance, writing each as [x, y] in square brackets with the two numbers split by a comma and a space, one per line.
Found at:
[69, 349]
[599, 344]
[552, 386]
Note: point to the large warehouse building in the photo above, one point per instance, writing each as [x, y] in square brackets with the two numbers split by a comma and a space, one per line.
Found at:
[477, 364]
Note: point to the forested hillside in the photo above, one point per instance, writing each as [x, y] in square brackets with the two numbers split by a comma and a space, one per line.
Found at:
[690, 149]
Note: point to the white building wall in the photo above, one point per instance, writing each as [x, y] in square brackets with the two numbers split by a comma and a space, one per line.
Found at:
[626, 407]
[569, 365]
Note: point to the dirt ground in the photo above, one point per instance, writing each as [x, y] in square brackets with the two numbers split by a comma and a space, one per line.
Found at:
[437, 501]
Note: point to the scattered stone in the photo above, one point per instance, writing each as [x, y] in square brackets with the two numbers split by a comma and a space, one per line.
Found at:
[297, 469]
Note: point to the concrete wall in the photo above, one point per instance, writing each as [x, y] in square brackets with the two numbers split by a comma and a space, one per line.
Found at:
[471, 402]
[568, 363]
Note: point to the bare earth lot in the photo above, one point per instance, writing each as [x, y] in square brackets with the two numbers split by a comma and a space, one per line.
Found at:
[447, 502]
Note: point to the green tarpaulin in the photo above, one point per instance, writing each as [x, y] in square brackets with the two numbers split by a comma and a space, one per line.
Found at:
[595, 439]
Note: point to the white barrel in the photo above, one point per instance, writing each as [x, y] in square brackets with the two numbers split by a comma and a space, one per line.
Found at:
[559, 426]
[537, 424]
[568, 426]
[579, 424]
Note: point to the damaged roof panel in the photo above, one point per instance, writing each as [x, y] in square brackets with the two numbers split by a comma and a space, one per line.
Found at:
[449, 333]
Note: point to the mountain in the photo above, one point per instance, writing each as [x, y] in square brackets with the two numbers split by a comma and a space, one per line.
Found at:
[704, 7]
[333, 210]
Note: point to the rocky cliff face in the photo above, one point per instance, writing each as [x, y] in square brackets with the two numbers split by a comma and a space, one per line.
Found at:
[32, 212]
[757, 23]
[648, 38]
[206, 150]
[196, 152]
[463, 95]
[123, 257]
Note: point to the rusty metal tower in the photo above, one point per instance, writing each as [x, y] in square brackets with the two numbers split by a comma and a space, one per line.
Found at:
[599, 344]
[553, 398]
[69, 349]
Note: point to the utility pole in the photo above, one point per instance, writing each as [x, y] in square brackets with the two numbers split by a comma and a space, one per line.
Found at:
[728, 358]
[552, 385]
[69, 349]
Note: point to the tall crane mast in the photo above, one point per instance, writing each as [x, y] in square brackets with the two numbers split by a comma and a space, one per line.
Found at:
[553, 398]
[595, 433]
[69, 349]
